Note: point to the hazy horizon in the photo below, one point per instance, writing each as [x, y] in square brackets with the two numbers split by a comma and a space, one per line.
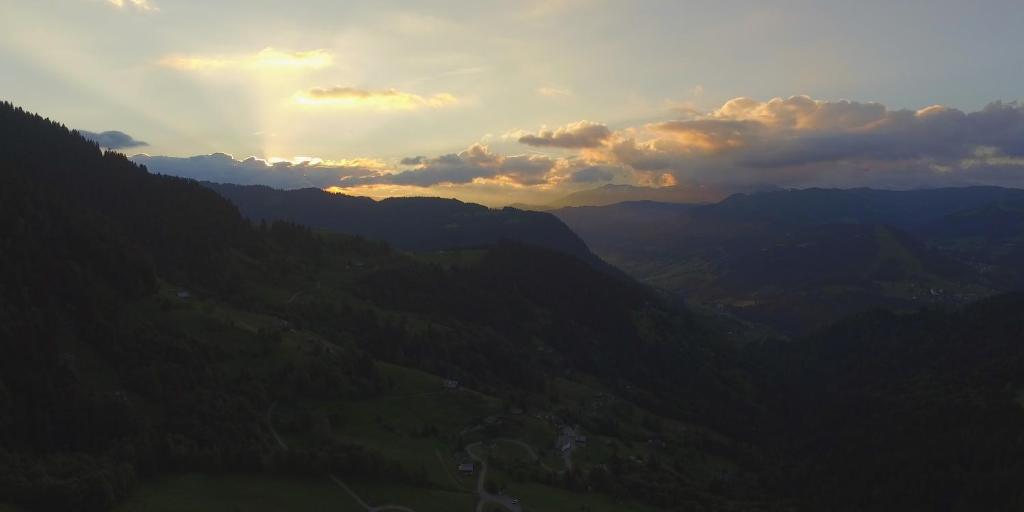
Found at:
[502, 104]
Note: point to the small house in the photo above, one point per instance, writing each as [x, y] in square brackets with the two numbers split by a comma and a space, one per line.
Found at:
[466, 468]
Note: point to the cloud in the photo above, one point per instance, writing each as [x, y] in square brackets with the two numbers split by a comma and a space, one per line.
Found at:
[385, 99]
[223, 168]
[266, 59]
[743, 144]
[474, 164]
[112, 139]
[142, 5]
[594, 174]
[710, 134]
[413, 160]
[800, 141]
[582, 134]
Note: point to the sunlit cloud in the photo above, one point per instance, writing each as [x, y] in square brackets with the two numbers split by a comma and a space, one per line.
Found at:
[142, 5]
[582, 134]
[801, 142]
[266, 59]
[384, 99]
[194, 63]
[476, 164]
[364, 163]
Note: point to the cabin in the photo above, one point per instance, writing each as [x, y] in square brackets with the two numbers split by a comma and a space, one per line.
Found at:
[450, 384]
[466, 468]
[184, 295]
[581, 439]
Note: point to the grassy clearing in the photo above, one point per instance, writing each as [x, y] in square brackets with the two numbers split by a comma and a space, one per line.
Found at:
[422, 500]
[229, 493]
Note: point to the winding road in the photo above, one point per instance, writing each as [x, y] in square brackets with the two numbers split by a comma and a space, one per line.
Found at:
[486, 497]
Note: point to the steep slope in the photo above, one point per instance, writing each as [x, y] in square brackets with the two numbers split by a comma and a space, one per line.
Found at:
[419, 224]
[902, 412]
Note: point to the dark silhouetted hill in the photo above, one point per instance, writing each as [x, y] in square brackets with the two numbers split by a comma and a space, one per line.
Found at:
[920, 411]
[417, 224]
[147, 328]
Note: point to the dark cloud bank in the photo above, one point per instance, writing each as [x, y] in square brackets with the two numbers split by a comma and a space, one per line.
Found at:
[112, 139]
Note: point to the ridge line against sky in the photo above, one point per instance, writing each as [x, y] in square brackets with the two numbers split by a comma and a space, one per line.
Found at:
[500, 103]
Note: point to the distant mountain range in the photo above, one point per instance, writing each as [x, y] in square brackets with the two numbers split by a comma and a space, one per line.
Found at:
[415, 223]
[798, 259]
[612, 194]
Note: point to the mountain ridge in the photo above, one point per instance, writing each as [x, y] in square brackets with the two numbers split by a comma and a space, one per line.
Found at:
[418, 224]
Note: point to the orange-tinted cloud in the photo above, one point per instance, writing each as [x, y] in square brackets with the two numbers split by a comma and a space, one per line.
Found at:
[384, 99]
[582, 134]
[475, 164]
[804, 142]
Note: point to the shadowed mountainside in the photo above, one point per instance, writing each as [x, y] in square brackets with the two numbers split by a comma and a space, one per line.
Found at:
[150, 335]
[800, 259]
[147, 328]
[417, 224]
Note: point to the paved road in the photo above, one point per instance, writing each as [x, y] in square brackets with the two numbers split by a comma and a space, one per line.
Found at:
[486, 497]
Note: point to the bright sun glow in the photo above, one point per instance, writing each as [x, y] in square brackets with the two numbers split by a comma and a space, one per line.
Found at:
[266, 59]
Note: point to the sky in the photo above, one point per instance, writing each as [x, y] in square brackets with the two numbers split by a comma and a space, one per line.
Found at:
[523, 102]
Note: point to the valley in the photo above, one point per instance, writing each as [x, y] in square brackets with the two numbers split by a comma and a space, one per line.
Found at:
[161, 351]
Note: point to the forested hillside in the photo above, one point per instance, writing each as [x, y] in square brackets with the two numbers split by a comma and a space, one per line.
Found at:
[158, 351]
[798, 260]
[902, 412]
[148, 328]
[417, 223]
